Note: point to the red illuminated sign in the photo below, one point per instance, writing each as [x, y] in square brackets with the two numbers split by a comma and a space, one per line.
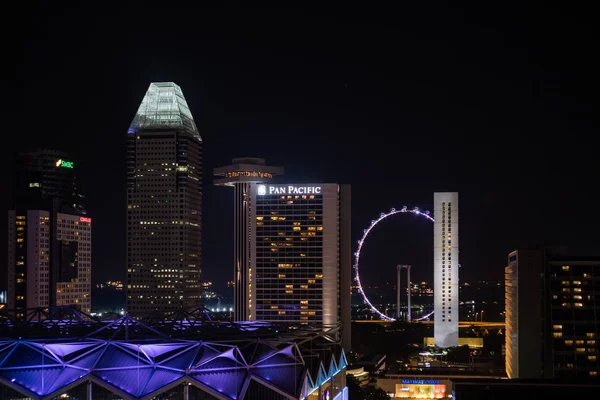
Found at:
[85, 219]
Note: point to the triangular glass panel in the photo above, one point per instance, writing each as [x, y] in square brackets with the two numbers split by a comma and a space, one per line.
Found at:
[64, 349]
[115, 357]
[182, 360]
[333, 369]
[131, 381]
[221, 362]
[322, 377]
[256, 390]
[343, 362]
[262, 351]
[26, 356]
[276, 359]
[37, 380]
[66, 377]
[160, 378]
[4, 352]
[204, 354]
[227, 382]
[287, 378]
[88, 360]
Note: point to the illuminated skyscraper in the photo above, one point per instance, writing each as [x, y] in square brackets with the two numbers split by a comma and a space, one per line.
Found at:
[49, 235]
[164, 204]
[296, 261]
[241, 175]
[445, 269]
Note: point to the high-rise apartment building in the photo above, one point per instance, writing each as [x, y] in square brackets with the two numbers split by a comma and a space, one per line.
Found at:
[49, 235]
[296, 264]
[164, 204]
[553, 324]
[445, 269]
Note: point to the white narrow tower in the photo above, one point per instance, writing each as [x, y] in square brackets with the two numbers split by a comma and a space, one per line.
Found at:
[445, 268]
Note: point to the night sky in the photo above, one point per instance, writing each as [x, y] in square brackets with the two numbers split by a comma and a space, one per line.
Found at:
[492, 102]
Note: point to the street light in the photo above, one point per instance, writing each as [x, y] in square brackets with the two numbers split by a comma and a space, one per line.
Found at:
[481, 315]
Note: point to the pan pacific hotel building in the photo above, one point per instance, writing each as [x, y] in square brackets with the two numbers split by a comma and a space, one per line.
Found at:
[292, 252]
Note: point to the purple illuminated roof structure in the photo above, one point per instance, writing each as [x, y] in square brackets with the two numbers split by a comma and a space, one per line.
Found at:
[144, 368]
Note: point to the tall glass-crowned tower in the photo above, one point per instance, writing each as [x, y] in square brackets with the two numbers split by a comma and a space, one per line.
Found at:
[445, 269]
[164, 204]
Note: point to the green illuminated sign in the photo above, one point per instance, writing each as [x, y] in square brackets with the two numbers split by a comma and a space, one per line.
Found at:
[64, 164]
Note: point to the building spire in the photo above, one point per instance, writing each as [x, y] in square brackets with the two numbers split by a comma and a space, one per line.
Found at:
[164, 107]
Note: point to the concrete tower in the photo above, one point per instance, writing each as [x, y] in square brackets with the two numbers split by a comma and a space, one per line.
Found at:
[445, 268]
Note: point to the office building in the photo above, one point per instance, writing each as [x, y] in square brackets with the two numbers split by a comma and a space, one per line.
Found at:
[164, 204]
[552, 323]
[45, 179]
[297, 261]
[445, 269]
[241, 175]
[49, 235]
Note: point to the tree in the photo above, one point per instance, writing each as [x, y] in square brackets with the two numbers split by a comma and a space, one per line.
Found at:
[354, 390]
[373, 393]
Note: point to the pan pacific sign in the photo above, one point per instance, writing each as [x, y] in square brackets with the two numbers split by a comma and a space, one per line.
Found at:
[289, 189]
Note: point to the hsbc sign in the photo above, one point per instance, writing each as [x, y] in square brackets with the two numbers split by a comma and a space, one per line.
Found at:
[264, 190]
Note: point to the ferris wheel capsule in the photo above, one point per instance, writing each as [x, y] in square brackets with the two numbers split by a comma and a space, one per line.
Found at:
[392, 210]
[404, 208]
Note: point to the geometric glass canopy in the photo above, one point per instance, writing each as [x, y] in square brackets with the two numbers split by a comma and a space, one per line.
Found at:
[164, 107]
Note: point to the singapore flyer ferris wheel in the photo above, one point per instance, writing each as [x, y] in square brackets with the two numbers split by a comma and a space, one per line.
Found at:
[361, 242]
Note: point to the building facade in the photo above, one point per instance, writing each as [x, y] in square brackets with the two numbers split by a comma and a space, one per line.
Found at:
[523, 310]
[571, 310]
[164, 204]
[552, 321]
[445, 268]
[241, 175]
[296, 261]
[49, 235]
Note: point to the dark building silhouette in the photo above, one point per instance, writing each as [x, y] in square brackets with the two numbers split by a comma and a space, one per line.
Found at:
[49, 234]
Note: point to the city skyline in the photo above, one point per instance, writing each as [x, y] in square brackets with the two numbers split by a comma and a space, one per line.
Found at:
[374, 113]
